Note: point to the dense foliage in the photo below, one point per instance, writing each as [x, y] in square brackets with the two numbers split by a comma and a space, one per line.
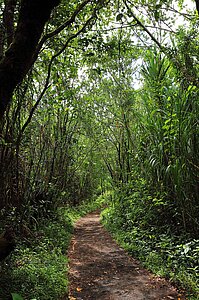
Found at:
[106, 100]
[38, 267]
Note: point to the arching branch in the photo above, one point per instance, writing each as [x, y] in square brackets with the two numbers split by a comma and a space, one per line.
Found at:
[142, 25]
[47, 82]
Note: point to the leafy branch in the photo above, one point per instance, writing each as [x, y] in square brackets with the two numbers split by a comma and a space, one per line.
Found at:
[46, 86]
[142, 26]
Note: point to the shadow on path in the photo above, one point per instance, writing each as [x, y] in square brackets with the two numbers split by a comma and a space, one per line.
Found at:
[101, 270]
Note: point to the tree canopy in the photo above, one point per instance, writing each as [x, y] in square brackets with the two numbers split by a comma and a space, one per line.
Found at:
[100, 96]
[115, 80]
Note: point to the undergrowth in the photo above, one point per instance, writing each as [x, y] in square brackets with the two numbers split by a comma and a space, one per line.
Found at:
[173, 256]
[38, 267]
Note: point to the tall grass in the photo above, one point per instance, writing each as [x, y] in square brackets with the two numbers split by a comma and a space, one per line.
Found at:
[168, 143]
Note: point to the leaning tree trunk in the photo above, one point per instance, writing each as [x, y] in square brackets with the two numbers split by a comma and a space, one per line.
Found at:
[18, 59]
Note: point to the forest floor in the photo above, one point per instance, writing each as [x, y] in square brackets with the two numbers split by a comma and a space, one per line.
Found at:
[100, 270]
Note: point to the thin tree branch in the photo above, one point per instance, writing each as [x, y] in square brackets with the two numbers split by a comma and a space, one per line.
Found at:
[46, 86]
[143, 26]
[130, 26]
[65, 24]
[61, 27]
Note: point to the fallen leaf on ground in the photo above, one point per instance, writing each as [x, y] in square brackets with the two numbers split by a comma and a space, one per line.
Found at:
[79, 289]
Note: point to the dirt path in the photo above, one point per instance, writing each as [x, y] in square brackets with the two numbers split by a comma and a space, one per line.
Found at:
[101, 270]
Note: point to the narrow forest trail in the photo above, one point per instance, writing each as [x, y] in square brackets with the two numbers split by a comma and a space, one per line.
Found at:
[101, 270]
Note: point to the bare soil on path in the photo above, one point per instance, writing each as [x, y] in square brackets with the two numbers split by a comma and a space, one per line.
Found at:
[100, 270]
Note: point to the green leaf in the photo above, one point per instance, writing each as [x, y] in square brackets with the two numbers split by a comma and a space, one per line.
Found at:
[186, 248]
[119, 17]
[90, 54]
[156, 15]
[16, 296]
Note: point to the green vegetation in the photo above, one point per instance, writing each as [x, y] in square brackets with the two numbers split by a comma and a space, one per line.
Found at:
[98, 97]
[133, 219]
[38, 268]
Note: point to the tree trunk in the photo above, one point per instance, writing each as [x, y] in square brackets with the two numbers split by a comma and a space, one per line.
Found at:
[18, 58]
[197, 5]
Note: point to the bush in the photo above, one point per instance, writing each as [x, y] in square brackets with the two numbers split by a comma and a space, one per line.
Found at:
[38, 268]
[131, 218]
